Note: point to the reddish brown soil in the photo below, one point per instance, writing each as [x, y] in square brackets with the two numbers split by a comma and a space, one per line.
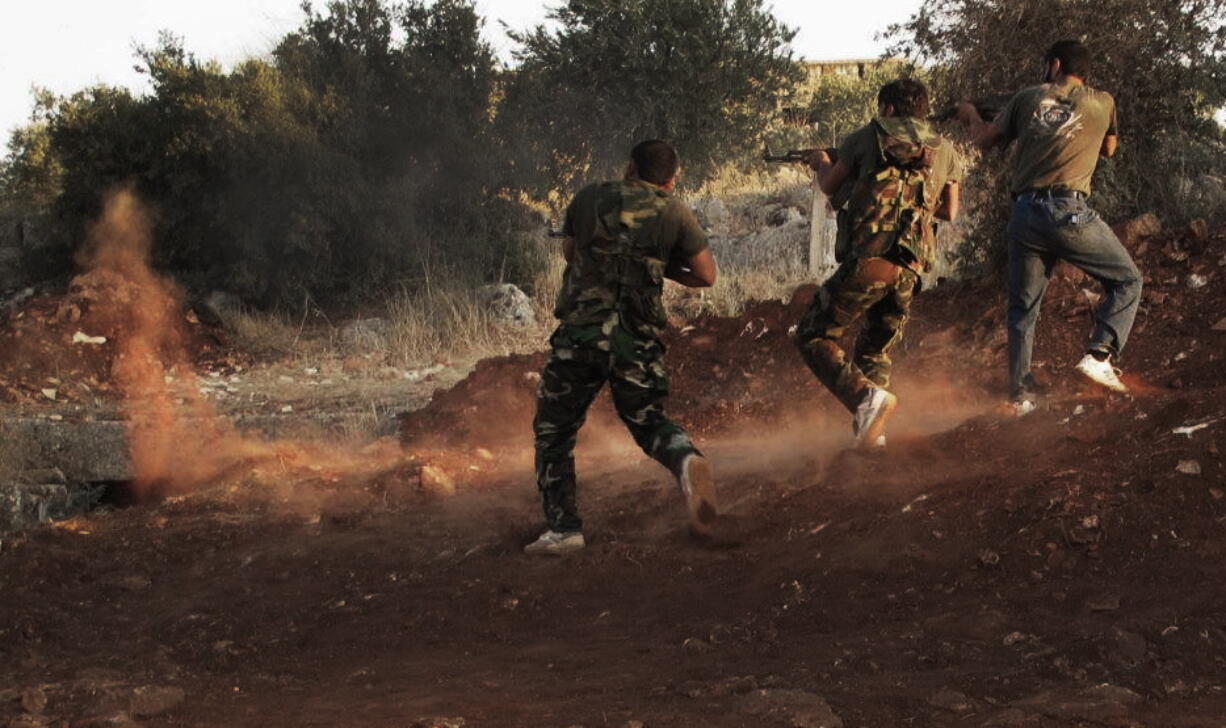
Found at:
[1001, 559]
[37, 351]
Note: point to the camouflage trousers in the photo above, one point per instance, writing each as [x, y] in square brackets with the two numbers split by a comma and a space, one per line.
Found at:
[582, 360]
[880, 291]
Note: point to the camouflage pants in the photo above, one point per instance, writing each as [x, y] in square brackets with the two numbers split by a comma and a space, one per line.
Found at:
[882, 292]
[579, 365]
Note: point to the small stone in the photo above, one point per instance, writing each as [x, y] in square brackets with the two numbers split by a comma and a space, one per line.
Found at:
[1196, 280]
[50, 394]
[34, 700]
[1105, 603]
[435, 480]
[153, 700]
[1188, 467]
[1199, 229]
[989, 558]
[695, 644]
[951, 700]
[1220, 325]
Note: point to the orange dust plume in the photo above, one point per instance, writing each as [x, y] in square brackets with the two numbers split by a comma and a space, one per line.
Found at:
[177, 439]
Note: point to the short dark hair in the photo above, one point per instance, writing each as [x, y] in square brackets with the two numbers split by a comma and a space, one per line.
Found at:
[1073, 55]
[656, 161]
[908, 97]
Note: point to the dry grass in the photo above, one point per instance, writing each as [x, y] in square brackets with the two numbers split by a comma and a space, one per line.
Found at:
[451, 324]
[265, 335]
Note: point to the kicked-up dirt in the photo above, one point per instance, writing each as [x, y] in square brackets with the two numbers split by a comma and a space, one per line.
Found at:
[1060, 570]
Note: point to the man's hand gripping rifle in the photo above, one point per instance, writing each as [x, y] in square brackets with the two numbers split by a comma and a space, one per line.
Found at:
[800, 156]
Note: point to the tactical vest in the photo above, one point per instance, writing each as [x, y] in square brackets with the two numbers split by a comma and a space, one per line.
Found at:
[889, 215]
[617, 276]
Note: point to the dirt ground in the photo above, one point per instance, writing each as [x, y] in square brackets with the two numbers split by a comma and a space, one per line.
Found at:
[1061, 570]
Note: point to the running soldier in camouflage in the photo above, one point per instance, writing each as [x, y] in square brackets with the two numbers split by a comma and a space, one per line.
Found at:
[622, 240]
[901, 174]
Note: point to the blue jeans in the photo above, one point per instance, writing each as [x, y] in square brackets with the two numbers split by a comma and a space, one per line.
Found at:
[1043, 230]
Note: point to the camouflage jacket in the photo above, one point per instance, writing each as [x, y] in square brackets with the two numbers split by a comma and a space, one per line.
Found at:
[889, 212]
[626, 233]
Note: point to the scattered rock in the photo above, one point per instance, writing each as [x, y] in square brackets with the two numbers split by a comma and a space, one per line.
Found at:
[439, 723]
[107, 720]
[507, 304]
[784, 216]
[1130, 647]
[1198, 229]
[800, 709]
[152, 700]
[1220, 325]
[1188, 467]
[951, 700]
[1105, 603]
[435, 480]
[83, 338]
[989, 558]
[1137, 229]
[218, 308]
[1196, 280]
[1011, 718]
[1070, 273]
[366, 334]
[696, 644]
[712, 213]
[1105, 704]
[33, 700]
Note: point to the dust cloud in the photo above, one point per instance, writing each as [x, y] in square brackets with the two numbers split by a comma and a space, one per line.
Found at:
[177, 440]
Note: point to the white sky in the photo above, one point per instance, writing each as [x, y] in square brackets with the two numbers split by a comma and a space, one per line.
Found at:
[65, 45]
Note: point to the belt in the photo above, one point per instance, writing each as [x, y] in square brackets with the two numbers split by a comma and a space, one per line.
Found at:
[1050, 192]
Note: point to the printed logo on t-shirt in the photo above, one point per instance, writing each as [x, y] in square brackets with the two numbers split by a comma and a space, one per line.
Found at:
[1056, 117]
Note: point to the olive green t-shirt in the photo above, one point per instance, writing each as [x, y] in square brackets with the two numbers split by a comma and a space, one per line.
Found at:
[681, 235]
[861, 153]
[1059, 130]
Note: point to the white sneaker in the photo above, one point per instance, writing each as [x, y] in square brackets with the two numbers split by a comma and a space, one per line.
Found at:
[555, 542]
[698, 487]
[870, 418]
[1101, 372]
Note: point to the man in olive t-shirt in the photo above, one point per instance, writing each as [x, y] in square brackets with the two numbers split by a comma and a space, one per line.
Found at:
[1061, 128]
[623, 238]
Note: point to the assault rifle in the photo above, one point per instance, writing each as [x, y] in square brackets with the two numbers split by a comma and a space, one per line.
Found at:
[987, 106]
[796, 156]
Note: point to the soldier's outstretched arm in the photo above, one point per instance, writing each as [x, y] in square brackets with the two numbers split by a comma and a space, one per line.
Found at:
[984, 134]
[697, 272]
[831, 174]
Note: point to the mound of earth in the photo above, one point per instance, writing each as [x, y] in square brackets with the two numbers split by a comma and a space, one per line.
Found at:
[62, 346]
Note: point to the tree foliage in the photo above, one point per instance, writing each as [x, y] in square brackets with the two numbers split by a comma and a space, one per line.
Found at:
[381, 145]
[1164, 61]
[706, 74]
